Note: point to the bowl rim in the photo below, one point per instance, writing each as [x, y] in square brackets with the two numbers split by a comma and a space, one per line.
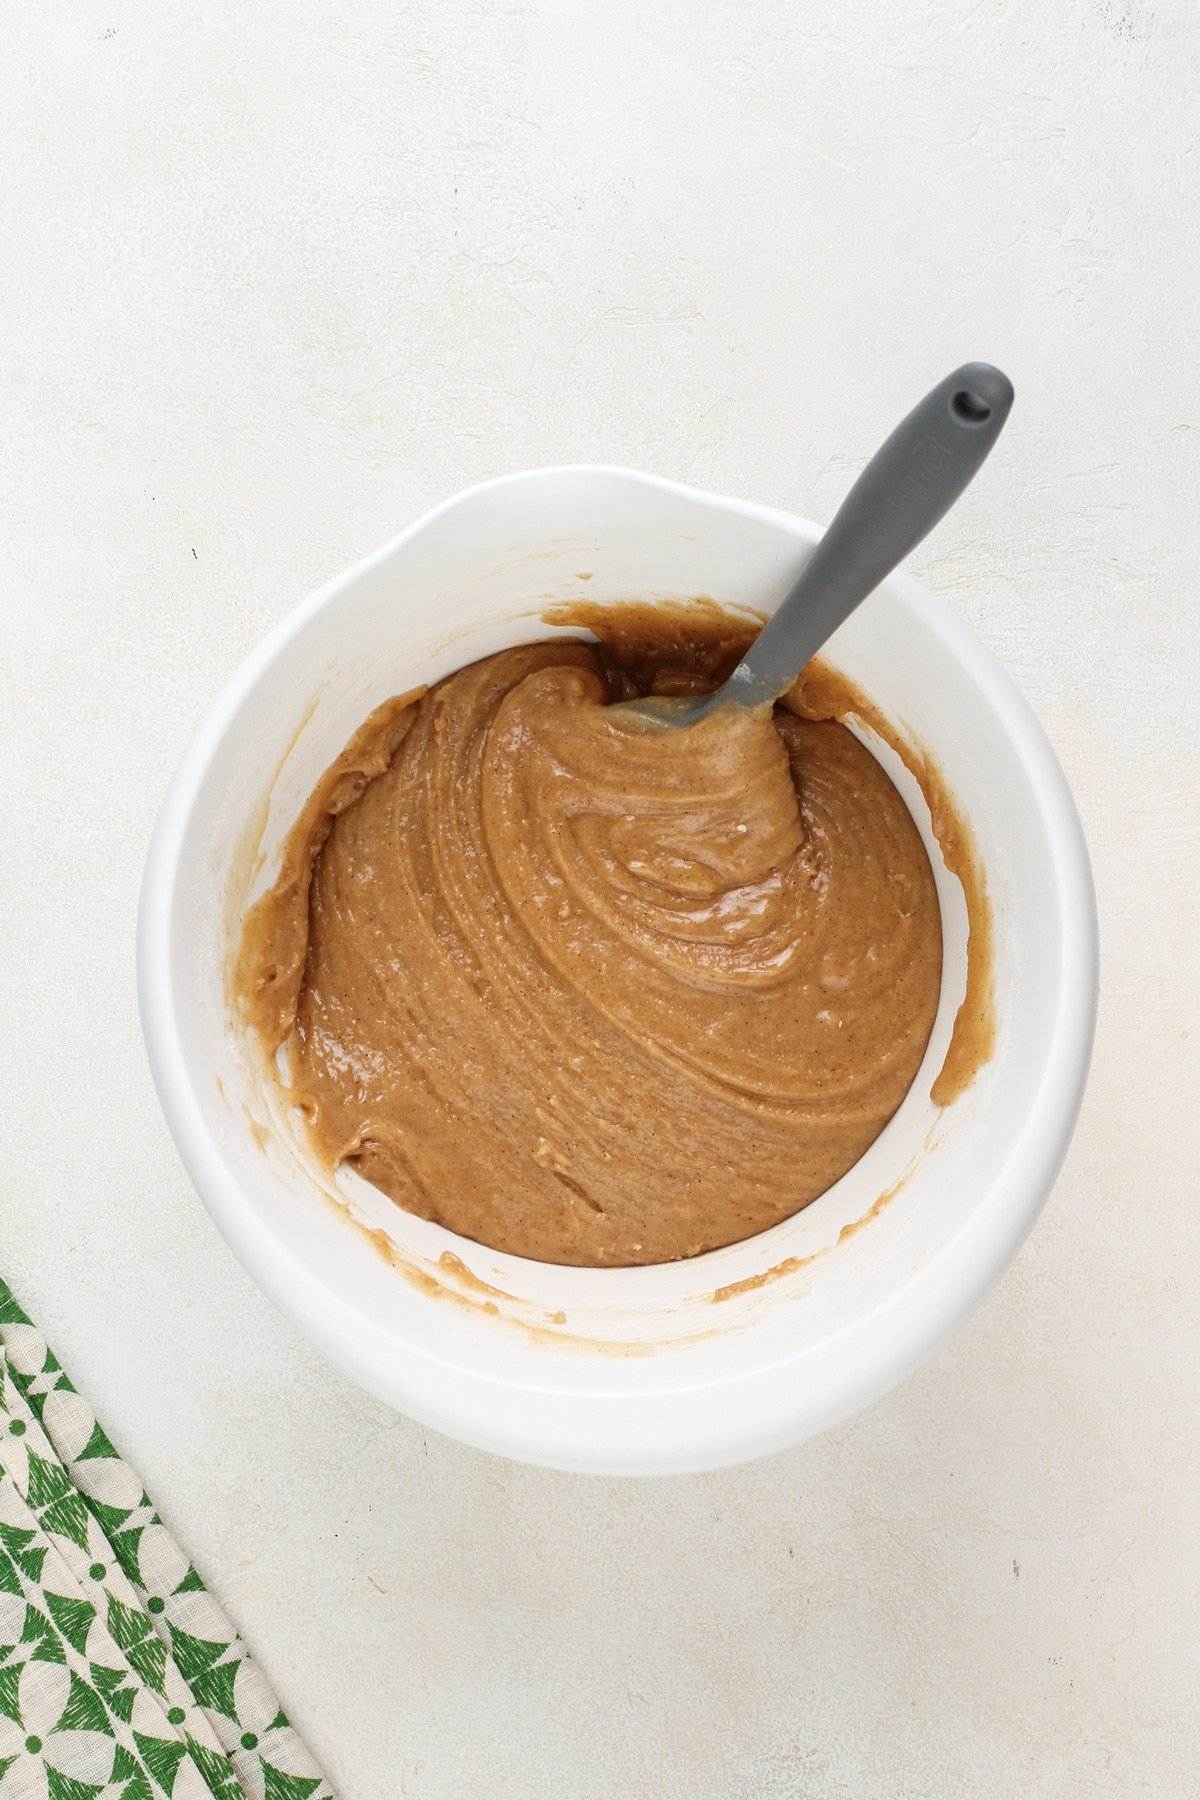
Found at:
[663, 1428]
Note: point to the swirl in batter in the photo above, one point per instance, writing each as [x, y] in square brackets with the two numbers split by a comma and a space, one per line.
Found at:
[589, 991]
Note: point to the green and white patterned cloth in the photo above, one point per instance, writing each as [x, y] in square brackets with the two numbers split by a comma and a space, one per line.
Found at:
[120, 1676]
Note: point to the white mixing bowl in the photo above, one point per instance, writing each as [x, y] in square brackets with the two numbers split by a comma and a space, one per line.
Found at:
[624, 1370]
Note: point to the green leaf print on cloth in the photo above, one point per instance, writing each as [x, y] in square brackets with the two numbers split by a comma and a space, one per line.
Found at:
[120, 1676]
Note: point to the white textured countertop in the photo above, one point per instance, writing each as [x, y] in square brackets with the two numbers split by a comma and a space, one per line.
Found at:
[276, 277]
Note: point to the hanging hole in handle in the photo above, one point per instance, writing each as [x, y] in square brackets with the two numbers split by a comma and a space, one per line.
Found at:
[969, 408]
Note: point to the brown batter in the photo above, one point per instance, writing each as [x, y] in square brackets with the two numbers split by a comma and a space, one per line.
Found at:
[592, 992]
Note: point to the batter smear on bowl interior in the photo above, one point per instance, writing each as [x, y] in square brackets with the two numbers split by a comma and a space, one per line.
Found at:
[585, 990]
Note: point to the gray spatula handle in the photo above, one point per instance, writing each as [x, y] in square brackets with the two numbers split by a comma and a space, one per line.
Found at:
[909, 483]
